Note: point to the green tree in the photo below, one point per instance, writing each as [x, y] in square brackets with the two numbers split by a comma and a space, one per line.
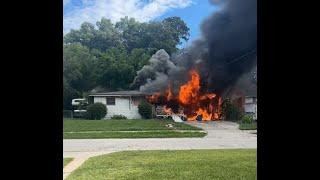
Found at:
[78, 72]
[131, 32]
[103, 38]
[106, 36]
[114, 72]
[166, 34]
[69, 93]
[84, 35]
[230, 111]
[145, 109]
[138, 58]
[108, 55]
[178, 27]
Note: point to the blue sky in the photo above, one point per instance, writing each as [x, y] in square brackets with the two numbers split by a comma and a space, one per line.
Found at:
[193, 16]
[193, 12]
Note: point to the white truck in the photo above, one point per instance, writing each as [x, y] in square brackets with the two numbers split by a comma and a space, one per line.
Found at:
[79, 107]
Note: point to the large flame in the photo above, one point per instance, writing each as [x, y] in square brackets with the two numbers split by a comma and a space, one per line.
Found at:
[189, 92]
[193, 102]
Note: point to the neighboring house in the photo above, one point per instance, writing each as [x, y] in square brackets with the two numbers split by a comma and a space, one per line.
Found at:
[244, 93]
[119, 103]
[250, 106]
[247, 102]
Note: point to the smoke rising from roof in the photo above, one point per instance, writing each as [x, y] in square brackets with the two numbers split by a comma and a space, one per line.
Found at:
[225, 51]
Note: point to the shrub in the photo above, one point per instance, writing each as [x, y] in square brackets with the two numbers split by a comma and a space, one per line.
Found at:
[252, 126]
[247, 119]
[118, 117]
[96, 111]
[145, 109]
[231, 111]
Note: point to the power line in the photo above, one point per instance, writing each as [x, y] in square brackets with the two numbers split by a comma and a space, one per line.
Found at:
[235, 60]
[238, 58]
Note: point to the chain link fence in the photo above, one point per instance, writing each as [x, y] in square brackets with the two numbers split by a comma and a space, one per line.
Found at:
[67, 114]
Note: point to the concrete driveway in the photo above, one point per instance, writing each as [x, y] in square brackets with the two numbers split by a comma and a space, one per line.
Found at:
[221, 135]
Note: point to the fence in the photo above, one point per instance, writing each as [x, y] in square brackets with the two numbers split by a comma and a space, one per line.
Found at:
[67, 114]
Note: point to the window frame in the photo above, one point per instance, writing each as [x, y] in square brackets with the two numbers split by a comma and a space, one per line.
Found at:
[114, 101]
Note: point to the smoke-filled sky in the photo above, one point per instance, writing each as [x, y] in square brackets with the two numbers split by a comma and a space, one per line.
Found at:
[225, 52]
[191, 11]
[222, 31]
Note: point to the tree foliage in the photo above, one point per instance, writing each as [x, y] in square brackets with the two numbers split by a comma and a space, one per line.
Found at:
[247, 119]
[109, 55]
[145, 109]
[230, 111]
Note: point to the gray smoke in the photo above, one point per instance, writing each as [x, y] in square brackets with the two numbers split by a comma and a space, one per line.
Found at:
[159, 83]
[225, 51]
[154, 76]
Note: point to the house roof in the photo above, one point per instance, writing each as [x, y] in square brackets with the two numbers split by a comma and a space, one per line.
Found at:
[119, 93]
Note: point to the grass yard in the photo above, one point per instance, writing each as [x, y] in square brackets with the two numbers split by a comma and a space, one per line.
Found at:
[134, 134]
[237, 164]
[251, 126]
[66, 161]
[94, 129]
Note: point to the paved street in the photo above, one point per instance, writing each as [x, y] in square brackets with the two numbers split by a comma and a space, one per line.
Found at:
[221, 135]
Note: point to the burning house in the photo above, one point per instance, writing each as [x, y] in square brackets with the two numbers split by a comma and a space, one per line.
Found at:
[189, 102]
[195, 82]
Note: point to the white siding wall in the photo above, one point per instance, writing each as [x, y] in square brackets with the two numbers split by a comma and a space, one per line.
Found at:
[251, 106]
[249, 100]
[123, 106]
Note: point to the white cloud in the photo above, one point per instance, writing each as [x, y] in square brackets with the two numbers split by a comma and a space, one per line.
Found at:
[94, 10]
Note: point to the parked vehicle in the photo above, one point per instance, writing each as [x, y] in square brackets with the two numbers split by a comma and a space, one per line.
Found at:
[77, 102]
[79, 107]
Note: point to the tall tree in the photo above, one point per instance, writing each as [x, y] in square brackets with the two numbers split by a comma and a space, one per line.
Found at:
[108, 55]
[78, 70]
[131, 32]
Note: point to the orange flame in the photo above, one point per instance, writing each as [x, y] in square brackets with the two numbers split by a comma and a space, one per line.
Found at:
[206, 116]
[169, 93]
[154, 97]
[167, 110]
[189, 91]
[193, 102]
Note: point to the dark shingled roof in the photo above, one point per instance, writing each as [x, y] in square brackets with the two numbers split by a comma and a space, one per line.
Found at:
[119, 93]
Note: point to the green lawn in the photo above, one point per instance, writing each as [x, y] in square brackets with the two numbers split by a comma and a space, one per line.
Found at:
[251, 126]
[87, 129]
[181, 164]
[66, 161]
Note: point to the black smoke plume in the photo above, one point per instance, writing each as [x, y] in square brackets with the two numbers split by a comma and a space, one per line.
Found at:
[225, 51]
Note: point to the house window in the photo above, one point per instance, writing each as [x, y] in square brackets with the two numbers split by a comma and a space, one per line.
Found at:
[254, 100]
[136, 101]
[249, 100]
[111, 101]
